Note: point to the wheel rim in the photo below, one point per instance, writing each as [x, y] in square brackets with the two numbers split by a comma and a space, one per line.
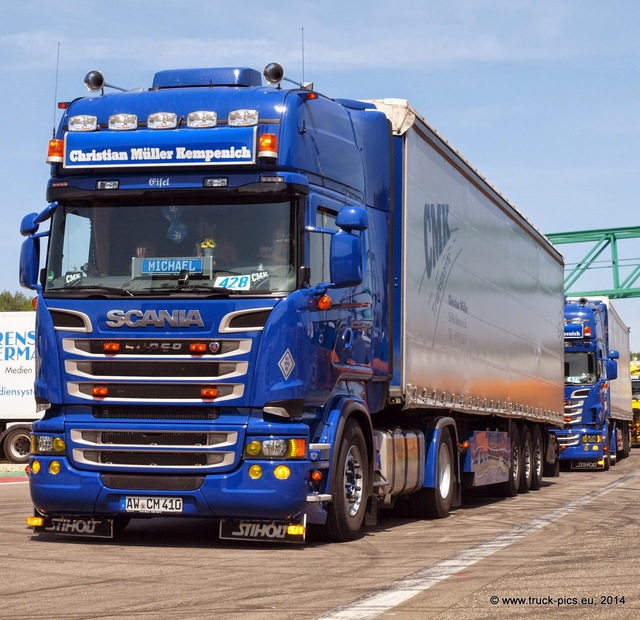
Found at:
[444, 471]
[526, 460]
[537, 460]
[353, 481]
[20, 447]
[515, 462]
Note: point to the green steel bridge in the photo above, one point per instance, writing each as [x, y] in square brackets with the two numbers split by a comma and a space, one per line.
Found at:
[613, 252]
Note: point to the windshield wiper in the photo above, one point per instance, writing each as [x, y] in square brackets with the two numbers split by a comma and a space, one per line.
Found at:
[122, 292]
[178, 288]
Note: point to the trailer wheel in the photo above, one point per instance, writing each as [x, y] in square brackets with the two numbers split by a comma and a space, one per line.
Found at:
[511, 486]
[17, 445]
[435, 503]
[345, 514]
[526, 459]
[538, 458]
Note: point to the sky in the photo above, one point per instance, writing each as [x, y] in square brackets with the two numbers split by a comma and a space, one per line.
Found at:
[540, 96]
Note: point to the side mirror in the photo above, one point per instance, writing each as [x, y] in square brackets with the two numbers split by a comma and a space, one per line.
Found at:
[346, 248]
[612, 370]
[29, 226]
[30, 263]
[352, 218]
[345, 259]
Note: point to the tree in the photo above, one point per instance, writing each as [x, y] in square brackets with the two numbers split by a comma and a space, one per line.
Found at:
[15, 302]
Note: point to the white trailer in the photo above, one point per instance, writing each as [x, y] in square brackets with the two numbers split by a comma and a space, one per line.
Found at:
[17, 371]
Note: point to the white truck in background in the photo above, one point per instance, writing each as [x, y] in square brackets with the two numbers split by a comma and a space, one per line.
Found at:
[17, 371]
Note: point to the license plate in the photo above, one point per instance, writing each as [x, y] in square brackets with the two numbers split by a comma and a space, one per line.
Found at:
[586, 465]
[151, 504]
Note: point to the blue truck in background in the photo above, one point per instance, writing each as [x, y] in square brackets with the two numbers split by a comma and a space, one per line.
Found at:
[598, 407]
[279, 311]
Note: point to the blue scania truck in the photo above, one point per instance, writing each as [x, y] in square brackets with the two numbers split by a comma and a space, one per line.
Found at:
[597, 403]
[279, 311]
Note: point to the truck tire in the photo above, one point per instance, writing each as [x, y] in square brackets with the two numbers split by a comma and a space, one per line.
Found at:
[526, 459]
[17, 445]
[538, 458]
[435, 503]
[511, 486]
[346, 512]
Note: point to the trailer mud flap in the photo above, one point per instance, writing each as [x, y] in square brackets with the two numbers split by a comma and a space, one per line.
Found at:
[74, 525]
[269, 531]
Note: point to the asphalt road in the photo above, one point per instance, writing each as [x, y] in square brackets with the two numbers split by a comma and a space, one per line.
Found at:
[569, 550]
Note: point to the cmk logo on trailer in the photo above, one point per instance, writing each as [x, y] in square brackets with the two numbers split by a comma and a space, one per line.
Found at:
[436, 233]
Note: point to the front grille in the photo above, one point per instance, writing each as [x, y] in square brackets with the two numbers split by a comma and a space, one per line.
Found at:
[155, 439]
[159, 459]
[134, 412]
[199, 368]
[152, 482]
[155, 448]
[156, 391]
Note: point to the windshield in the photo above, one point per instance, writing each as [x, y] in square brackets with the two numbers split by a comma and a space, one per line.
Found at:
[187, 247]
[579, 368]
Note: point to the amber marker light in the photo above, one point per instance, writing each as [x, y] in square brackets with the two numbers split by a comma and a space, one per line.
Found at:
[268, 145]
[294, 529]
[208, 393]
[111, 347]
[255, 472]
[324, 302]
[297, 448]
[100, 391]
[35, 521]
[282, 472]
[55, 153]
[316, 476]
[198, 347]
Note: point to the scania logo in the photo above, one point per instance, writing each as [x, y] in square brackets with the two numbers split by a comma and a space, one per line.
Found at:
[154, 318]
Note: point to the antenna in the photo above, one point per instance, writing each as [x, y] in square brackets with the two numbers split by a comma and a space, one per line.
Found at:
[303, 55]
[55, 91]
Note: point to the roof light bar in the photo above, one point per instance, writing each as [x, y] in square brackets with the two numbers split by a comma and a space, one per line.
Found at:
[123, 122]
[162, 120]
[83, 122]
[202, 118]
[243, 118]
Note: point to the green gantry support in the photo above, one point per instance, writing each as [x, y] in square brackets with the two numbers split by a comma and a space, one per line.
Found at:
[620, 264]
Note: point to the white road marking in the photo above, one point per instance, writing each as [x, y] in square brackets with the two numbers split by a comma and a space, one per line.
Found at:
[402, 590]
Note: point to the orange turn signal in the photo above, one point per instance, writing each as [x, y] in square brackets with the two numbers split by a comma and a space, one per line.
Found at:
[55, 153]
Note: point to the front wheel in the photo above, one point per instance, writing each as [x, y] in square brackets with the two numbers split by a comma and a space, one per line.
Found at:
[346, 512]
